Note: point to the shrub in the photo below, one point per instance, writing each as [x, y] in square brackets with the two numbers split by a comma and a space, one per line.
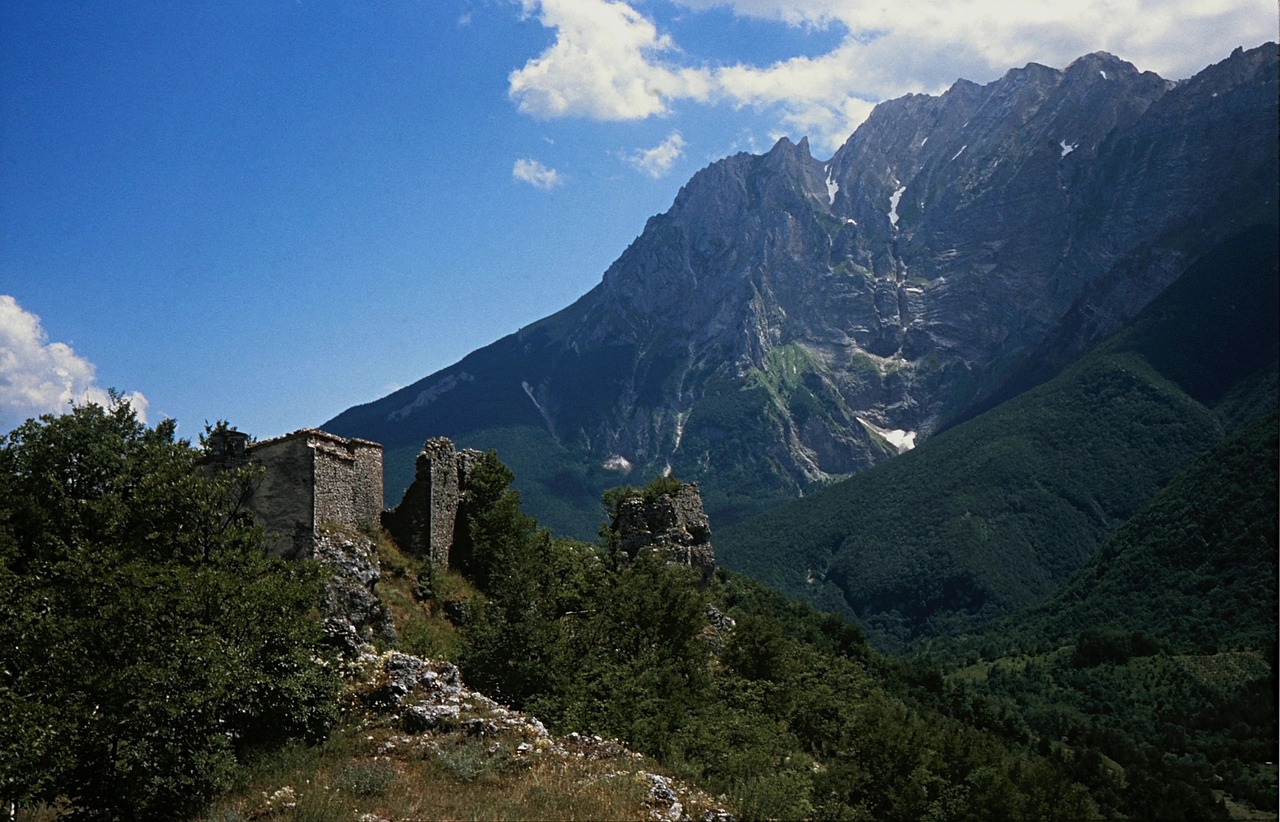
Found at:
[149, 641]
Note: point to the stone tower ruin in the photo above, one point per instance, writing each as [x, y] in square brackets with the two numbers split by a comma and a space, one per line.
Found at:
[674, 522]
[424, 522]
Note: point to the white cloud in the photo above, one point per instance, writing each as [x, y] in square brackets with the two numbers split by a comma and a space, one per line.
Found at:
[41, 377]
[609, 62]
[606, 63]
[657, 161]
[536, 174]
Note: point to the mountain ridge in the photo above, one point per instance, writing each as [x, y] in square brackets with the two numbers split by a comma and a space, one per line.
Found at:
[761, 334]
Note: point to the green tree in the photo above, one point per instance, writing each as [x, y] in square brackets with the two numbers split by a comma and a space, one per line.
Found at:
[640, 665]
[758, 650]
[513, 636]
[148, 641]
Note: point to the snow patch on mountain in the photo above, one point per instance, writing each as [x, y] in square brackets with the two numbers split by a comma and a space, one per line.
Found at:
[902, 440]
[894, 199]
[618, 463]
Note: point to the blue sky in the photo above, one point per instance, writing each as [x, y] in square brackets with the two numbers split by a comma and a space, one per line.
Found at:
[270, 211]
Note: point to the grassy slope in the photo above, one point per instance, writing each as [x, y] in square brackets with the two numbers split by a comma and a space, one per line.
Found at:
[995, 514]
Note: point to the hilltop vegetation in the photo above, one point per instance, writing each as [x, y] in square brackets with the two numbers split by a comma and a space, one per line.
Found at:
[790, 713]
[150, 647]
[783, 711]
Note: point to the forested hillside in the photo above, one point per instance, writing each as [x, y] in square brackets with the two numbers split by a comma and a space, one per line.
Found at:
[995, 514]
[1160, 653]
[1194, 570]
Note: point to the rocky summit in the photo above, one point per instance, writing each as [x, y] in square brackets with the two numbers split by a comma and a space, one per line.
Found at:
[789, 321]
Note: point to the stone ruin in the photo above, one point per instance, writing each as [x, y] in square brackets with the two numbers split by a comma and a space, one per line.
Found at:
[320, 497]
[425, 522]
[313, 481]
[674, 523]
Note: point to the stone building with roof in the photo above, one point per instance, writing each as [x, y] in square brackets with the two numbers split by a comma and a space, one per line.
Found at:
[312, 480]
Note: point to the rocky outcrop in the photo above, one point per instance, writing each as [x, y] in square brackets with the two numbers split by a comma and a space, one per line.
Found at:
[425, 521]
[350, 611]
[422, 705]
[675, 523]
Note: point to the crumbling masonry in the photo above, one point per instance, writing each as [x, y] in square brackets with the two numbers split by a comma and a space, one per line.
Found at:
[424, 523]
[314, 481]
[675, 523]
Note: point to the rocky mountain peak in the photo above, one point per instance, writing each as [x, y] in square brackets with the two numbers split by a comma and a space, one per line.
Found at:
[696, 267]
[1102, 64]
[789, 321]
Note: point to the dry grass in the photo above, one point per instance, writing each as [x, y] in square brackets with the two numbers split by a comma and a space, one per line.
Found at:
[423, 630]
[377, 774]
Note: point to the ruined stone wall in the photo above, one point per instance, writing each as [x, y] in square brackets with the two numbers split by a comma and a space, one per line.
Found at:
[439, 461]
[348, 481]
[367, 482]
[424, 523]
[334, 469]
[283, 500]
[675, 523]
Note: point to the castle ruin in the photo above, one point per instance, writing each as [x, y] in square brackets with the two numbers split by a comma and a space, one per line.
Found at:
[312, 479]
[315, 481]
[673, 522]
[425, 521]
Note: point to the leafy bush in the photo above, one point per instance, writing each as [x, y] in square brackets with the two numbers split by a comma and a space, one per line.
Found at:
[149, 642]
